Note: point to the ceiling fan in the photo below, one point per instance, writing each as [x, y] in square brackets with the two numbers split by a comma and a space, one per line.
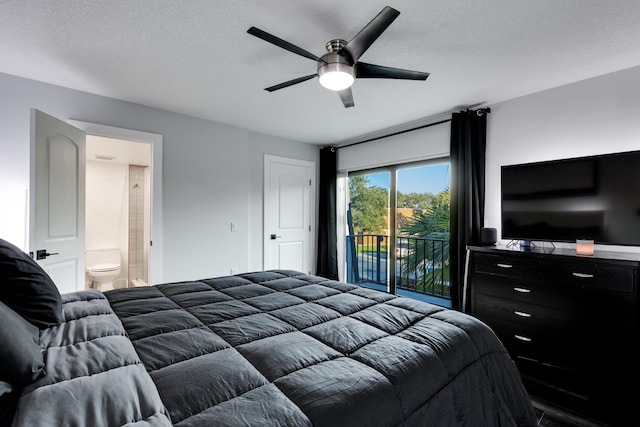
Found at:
[339, 67]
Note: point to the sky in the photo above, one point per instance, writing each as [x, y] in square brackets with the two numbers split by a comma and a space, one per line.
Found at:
[422, 179]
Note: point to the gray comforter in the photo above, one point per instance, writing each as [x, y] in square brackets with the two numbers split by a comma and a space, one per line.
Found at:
[93, 375]
[273, 348]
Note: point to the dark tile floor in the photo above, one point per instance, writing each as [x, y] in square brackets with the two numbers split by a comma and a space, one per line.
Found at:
[550, 416]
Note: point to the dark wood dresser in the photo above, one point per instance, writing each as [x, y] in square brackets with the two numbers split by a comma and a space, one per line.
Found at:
[569, 322]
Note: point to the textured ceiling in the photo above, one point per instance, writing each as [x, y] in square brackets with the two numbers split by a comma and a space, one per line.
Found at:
[195, 56]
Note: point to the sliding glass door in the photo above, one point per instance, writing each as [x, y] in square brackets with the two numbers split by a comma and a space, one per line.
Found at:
[398, 230]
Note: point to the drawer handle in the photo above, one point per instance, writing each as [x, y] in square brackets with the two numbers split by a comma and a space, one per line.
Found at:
[522, 290]
[504, 265]
[583, 275]
[522, 314]
[522, 338]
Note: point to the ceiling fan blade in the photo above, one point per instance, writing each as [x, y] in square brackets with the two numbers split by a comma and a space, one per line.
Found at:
[290, 83]
[282, 43]
[347, 97]
[371, 71]
[365, 38]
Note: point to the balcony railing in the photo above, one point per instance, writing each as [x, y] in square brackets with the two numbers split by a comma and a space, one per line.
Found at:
[422, 264]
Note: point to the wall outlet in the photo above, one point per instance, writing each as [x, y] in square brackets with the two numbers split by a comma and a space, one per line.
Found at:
[234, 227]
[234, 270]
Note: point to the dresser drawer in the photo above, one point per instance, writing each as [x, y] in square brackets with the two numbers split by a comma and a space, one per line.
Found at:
[506, 266]
[590, 275]
[562, 350]
[615, 309]
[551, 294]
[530, 316]
[559, 383]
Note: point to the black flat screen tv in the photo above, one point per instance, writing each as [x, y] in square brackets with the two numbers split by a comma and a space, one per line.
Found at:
[594, 198]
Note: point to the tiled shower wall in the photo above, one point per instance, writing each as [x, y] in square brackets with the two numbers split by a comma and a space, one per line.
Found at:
[137, 259]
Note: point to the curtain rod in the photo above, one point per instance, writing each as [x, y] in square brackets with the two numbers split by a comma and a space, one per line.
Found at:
[393, 134]
[479, 111]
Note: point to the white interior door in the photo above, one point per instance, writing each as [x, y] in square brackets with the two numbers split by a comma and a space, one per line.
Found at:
[288, 200]
[56, 213]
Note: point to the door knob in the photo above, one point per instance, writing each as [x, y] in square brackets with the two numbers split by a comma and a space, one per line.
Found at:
[274, 237]
[42, 254]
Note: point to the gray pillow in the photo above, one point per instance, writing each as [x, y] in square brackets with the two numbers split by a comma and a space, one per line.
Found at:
[21, 359]
[27, 288]
[5, 388]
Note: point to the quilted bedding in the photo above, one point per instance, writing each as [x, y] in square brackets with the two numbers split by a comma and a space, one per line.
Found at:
[93, 375]
[276, 348]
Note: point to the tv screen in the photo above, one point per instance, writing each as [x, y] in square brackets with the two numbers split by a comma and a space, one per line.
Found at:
[594, 198]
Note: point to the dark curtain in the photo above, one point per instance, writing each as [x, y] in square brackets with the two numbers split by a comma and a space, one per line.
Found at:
[327, 244]
[467, 156]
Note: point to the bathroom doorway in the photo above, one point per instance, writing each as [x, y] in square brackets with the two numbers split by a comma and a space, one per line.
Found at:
[118, 207]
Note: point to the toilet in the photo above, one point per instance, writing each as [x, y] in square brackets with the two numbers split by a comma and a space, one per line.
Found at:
[103, 266]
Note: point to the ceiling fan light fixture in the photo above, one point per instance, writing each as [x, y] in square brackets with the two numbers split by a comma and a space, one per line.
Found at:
[339, 67]
[336, 76]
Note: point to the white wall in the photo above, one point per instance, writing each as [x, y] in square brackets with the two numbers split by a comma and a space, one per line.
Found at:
[595, 116]
[212, 175]
[213, 172]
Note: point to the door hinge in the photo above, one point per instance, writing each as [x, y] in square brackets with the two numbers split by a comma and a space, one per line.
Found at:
[309, 229]
[309, 182]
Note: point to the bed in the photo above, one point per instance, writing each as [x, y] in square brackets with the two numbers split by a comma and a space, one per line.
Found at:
[268, 348]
